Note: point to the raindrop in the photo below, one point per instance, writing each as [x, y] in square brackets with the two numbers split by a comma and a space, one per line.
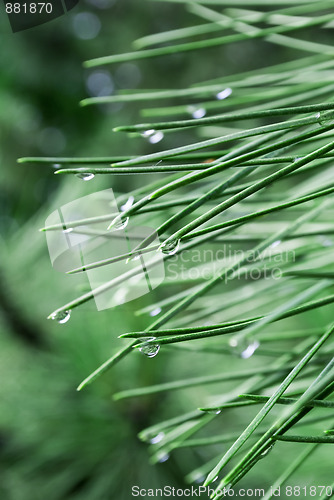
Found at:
[250, 349]
[325, 118]
[148, 133]
[170, 247]
[197, 112]
[153, 136]
[133, 257]
[162, 457]
[157, 137]
[149, 350]
[266, 451]
[121, 224]
[155, 311]
[199, 478]
[223, 94]
[244, 347]
[88, 176]
[61, 316]
[156, 439]
[128, 204]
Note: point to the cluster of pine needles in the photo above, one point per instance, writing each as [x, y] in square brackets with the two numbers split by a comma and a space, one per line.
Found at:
[256, 173]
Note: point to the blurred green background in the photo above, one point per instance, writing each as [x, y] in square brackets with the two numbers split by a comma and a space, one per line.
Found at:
[56, 443]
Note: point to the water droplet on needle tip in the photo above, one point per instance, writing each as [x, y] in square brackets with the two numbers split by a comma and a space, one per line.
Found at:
[86, 176]
[61, 316]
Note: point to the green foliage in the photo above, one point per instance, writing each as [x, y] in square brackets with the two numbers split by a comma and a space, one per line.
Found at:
[247, 164]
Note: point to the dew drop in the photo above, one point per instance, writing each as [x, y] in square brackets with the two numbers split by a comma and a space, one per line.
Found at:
[135, 256]
[276, 243]
[61, 316]
[156, 439]
[198, 479]
[153, 136]
[325, 118]
[170, 247]
[155, 311]
[244, 347]
[214, 412]
[266, 451]
[149, 350]
[121, 224]
[128, 204]
[223, 94]
[88, 176]
[197, 112]
[250, 349]
[68, 230]
[157, 137]
[162, 457]
[148, 133]
[56, 166]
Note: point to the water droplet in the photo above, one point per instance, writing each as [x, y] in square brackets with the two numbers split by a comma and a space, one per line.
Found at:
[157, 137]
[88, 176]
[149, 350]
[223, 94]
[56, 166]
[162, 457]
[148, 133]
[266, 451]
[135, 256]
[214, 412]
[61, 316]
[276, 243]
[153, 136]
[325, 118]
[121, 224]
[155, 311]
[68, 230]
[128, 204]
[215, 479]
[199, 478]
[244, 347]
[170, 247]
[156, 439]
[197, 112]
